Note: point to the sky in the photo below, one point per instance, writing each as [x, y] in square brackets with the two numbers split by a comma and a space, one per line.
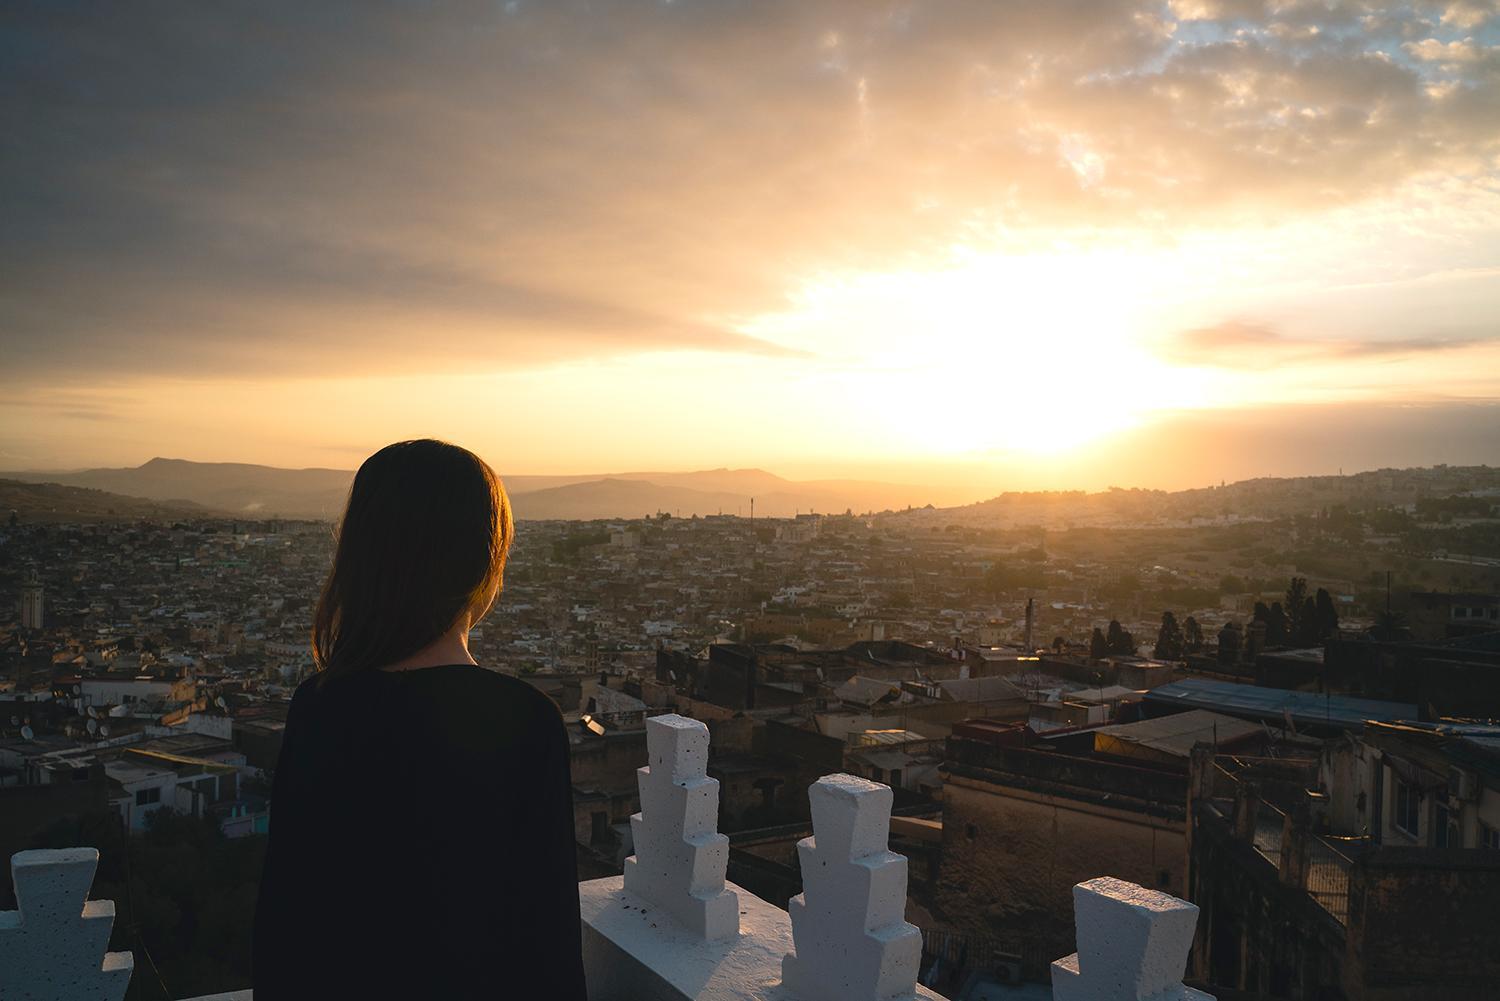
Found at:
[1019, 245]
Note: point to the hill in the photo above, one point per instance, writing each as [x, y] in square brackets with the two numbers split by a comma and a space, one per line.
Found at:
[55, 502]
[264, 491]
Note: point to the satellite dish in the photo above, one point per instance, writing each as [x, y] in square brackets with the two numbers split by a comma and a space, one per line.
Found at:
[104, 729]
[27, 734]
[92, 726]
[91, 713]
[221, 703]
[81, 711]
[77, 689]
[672, 674]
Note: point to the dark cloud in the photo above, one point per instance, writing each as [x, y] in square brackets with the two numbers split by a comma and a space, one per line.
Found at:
[280, 187]
[1247, 345]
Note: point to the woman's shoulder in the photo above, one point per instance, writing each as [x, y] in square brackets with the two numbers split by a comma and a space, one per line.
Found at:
[507, 686]
[462, 691]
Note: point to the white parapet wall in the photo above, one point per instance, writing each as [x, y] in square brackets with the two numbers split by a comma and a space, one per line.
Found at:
[844, 939]
[56, 945]
[1132, 945]
[848, 923]
[680, 857]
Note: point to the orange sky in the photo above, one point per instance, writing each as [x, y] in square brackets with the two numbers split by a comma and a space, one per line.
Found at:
[1003, 244]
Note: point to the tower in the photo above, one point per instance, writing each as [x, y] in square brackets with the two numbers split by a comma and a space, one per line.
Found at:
[31, 602]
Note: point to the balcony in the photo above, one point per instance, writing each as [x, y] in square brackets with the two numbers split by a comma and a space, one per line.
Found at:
[672, 927]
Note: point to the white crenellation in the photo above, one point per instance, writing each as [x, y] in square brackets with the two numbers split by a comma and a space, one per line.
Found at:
[680, 857]
[1132, 945]
[849, 932]
[54, 945]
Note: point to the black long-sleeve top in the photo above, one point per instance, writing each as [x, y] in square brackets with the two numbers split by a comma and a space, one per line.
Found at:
[421, 842]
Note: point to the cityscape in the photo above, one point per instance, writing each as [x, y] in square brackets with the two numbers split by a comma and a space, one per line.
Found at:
[1271, 699]
[750, 500]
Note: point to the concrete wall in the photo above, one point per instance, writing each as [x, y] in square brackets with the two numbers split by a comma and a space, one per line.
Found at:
[1424, 926]
[1017, 838]
[1257, 934]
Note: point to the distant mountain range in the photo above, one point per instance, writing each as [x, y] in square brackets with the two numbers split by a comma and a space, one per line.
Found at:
[266, 491]
[53, 502]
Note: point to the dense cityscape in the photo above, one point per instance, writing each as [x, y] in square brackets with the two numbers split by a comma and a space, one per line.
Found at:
[1270, 699]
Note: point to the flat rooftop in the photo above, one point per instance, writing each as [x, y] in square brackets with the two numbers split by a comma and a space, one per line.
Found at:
[1276, 704]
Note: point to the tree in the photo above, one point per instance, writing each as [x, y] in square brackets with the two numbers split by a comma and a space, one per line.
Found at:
[1276, 625]
[1192, 635]
[1231, 640]
[1327, 614]
[1098, 645]
[1307, 623]
[1296, 598]
[1118, 640]
[1168, 638]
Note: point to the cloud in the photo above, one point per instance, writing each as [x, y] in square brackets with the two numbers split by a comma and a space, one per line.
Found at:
[1468, 14]
[1454, 52]
[1236, 344]
[353, 188]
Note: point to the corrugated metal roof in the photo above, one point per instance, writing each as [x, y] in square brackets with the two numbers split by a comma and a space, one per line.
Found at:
[1276, 703]
[1176, 734]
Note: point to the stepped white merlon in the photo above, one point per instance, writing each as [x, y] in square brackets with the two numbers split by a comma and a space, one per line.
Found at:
[1132, 944]
[848, 925]
[680, 858]
[54, 945]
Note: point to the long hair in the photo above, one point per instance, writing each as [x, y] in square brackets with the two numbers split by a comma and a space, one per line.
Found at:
[422, 543]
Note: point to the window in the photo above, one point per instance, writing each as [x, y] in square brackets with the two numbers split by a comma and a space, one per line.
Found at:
[145, 797]
[1489, 838]
[1406, 811]
[1440, 824]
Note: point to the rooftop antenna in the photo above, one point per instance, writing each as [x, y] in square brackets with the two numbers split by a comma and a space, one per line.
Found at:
[27, 734]
[92, 726]
[104, 729]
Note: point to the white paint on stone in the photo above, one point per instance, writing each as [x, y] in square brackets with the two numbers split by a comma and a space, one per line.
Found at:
[630, 953]
[680, 857]
[851, 940]
[53, 947]
[1132, 945]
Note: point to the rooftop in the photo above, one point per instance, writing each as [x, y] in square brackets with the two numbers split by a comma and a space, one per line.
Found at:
[672, 927]
[1277, 704]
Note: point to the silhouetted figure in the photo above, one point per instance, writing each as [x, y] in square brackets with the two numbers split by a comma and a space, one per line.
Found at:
[422, 839]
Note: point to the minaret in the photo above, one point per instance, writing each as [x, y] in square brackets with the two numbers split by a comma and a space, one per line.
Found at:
[31, 602]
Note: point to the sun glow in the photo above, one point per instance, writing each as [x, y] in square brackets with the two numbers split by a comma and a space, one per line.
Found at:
[1031, 353]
